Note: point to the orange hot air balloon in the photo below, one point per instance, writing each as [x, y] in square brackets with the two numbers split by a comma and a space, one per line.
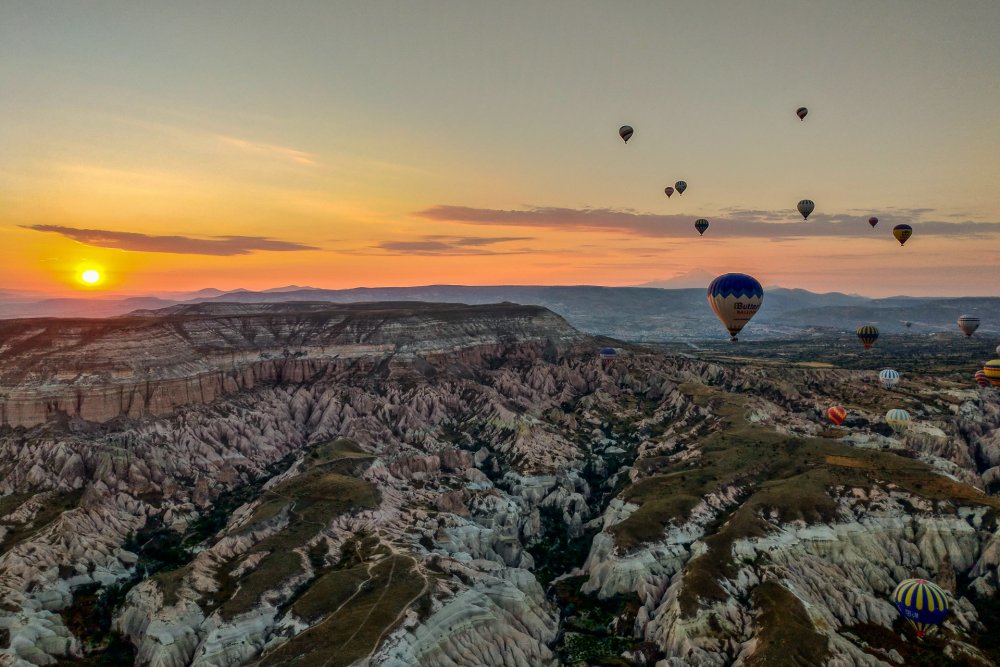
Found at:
[837, 414]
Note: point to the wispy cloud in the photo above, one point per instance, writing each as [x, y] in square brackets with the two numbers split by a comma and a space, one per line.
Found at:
[734, 223]
[182, 245]
[449, 245]
[269, 150]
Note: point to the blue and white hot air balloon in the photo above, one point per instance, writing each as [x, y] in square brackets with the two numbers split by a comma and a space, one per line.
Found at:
[889, 378]
[735, 298]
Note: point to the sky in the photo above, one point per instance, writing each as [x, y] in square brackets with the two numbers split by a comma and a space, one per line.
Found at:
[178, 146]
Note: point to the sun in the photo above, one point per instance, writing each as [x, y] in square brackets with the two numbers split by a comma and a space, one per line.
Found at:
[91, 276]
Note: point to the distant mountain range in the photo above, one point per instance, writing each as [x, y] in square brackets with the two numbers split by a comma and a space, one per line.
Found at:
[627, 313]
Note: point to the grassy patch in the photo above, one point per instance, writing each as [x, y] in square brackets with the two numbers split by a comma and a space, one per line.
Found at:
[326, 487]
[785, 634]
[785, 477]
[355, 629]
[52, 508]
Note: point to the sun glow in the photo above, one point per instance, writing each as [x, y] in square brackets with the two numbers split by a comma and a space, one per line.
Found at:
[90, 277]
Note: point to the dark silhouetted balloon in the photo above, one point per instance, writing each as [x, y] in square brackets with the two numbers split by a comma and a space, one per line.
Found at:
[801, 112]
[867, 334]
[873, 221]
[625, 132]
[902, 233]
[806, 206]
[669, 190]
[681, 187]
[701, 224]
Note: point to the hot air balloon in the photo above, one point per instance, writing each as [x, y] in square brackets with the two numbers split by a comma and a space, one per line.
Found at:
[992, 372]
[806, 207]
[701, 224]
[902, 233]
[998, 350]
[867, 334]
[681, 187]
[889, 378]
[669, 190]
[873, 221]
[922, 603]
[837, 414]
[981, 379]
[735, 298]
[968, 324]
[898, 419]
[608, 355]
[801, 113]
[625, 132]
[908, 324]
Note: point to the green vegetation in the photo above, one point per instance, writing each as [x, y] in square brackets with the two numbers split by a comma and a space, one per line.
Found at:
[787, 476]
[325, 488]
[53, 505]
[926, 652]
[786, 636]
[352, 630]
[589, 637]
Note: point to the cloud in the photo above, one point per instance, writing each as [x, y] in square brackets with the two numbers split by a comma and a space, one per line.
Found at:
[733, 223]
[182, 245]
[269, 150]
[448, 245]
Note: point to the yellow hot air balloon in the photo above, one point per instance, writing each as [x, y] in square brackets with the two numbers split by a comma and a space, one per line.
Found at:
[992, 372]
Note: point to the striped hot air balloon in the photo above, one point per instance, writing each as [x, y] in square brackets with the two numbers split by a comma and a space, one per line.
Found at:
[922, 603]
[735, 298]
[968, 324]
[902, 233]
[898, 420]
[805, 207]
[837, 414]
[608, 355]
[889, 378]
[701, 224]
[625, 132]
[681, 187]
[867, 334]
[801, 112]
[992, 372]
[981, 379]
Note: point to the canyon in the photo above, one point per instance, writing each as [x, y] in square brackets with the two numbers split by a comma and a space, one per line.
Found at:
[437, 484]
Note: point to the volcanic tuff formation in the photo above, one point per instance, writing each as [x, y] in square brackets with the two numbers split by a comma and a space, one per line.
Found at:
[415, 484]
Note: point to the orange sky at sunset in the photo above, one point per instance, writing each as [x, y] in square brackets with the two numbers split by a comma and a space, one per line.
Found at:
[354, 144]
